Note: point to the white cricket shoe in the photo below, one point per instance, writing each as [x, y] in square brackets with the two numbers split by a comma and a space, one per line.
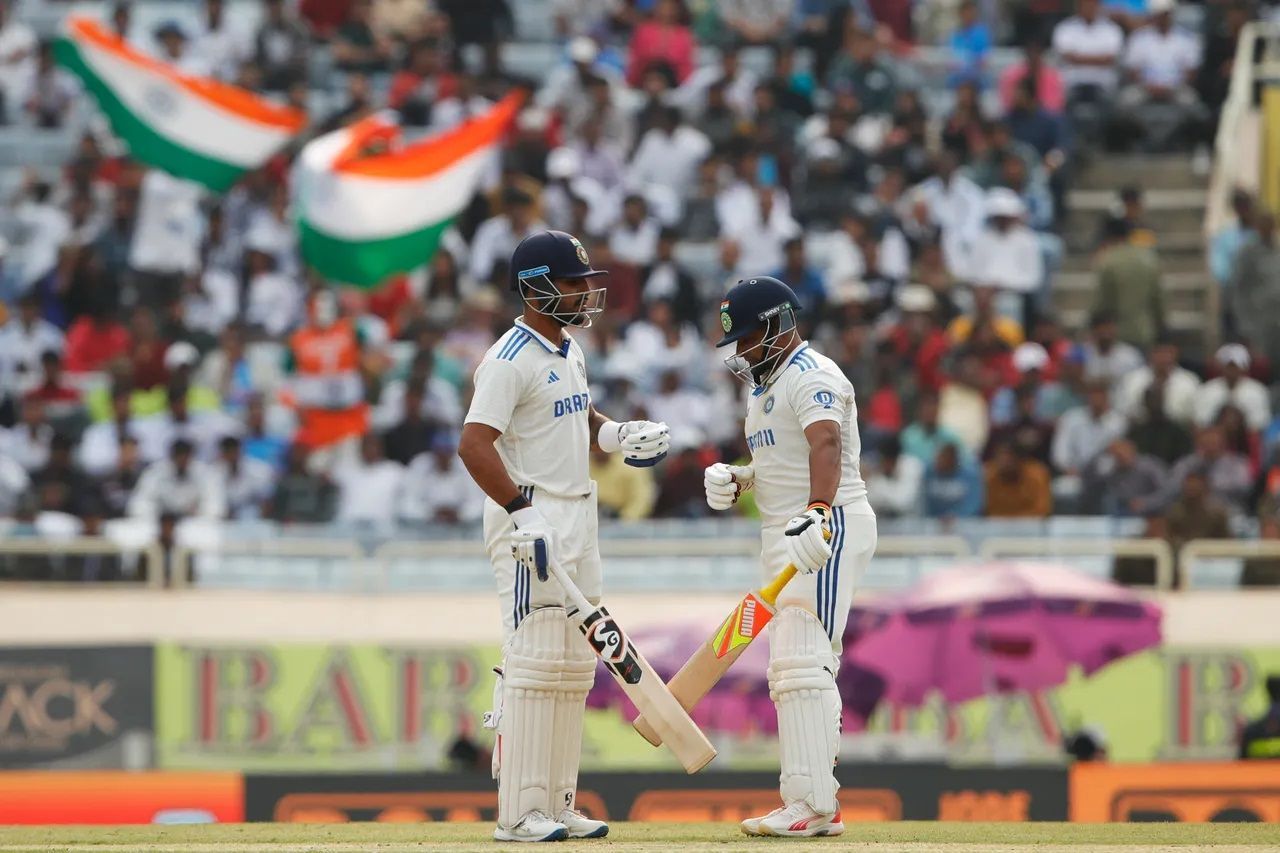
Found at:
[536, 825]
[581, 826]
[751, 826]
[798, 820]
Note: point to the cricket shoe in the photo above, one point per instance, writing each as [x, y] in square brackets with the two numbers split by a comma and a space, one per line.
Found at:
[798, 820]
[536, 825]
[581, 826]
[751, 826]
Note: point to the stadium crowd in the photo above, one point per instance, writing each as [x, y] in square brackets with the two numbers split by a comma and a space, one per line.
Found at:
[166, 354]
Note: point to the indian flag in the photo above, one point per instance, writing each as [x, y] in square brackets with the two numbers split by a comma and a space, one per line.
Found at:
[370, 207]
[191, 127]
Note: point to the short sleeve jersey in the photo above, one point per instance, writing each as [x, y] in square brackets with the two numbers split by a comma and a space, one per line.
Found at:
[535, 393]
[810, 388]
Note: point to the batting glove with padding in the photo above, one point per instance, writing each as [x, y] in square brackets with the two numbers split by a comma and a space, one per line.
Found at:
[642, 443]
[724, 484]
[533, 542]
[806, 539]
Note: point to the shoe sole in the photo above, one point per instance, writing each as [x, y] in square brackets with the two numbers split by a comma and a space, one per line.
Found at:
[752, 832]
[826, 832]
[600, 832]
[559, 835]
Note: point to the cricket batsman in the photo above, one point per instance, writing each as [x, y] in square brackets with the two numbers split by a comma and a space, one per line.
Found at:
[803, 435]
[525, 442]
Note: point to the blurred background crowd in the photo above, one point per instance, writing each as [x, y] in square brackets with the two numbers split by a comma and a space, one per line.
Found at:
[155, 339]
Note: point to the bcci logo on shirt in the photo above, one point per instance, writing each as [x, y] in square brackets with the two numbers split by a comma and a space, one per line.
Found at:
[768, 404]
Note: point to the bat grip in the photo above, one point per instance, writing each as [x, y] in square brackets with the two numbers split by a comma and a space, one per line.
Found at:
[769, 594]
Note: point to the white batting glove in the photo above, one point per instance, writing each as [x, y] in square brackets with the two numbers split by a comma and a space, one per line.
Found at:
[643, 443]
[806, 540]
[724, 484]
[533, 542]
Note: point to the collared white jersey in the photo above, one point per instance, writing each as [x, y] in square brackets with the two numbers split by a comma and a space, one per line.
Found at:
[536, 395]
[810, 388]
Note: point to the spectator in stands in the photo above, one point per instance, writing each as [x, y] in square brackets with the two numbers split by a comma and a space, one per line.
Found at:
[962, 405]
[1047, 133]
[668, 155]
[437, 489]
[662, 40]
[24, 339]
[953, 485]
[755, 21]
[1234, 387]
[1225, 246]
[925, 436]
[1179, 385]
[14, 484]
[62, 402]
[420, 84]
[356, 46]
[1031, 361]
[1129, 286]
[60, 485]
[302, 496]
[180, 485]
[634, 240]
[680, 490]
[1161, 62]
[895, 481]
[1089, 44]
[983, 315]
[680, 406]
[859, 69]
[1105, 355]
[624, 492]
[916, 340]
[498, 236]
[27, 441]
[1255, 289]
[414, 434]
[247, 483]
[370, 487]
[1016, 486]
[970, 43]
[49, 100]
[17, 60]
[120, 482]
[667, 279]
[1196, 512]
[1031, 433]
[1006, 254]
[761, 231]
[1084, 432]
[1154, 433]
[1227, 472]
[1049, 87]
[280, 48]
[218, 43]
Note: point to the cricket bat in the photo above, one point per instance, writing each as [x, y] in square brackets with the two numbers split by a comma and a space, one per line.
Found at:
[637, 678]
[712, 659]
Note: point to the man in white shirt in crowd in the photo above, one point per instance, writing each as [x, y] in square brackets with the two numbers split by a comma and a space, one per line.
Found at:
[438, 489]
[246, 483]
[894, 481]
[1007, 253]
[1105, 355]
[27, 441]
[566, 85]
[954, 202]
[634, 240]
[669, 154]
[218, 45]
[1089, 45]
[40, 230]
[1086, 431]
[1161, 62]
[498, 235]
[686, 410]
[1180, 385]
[760, 232]
[275, 299]
[17, 60]
[174, 45]
[23, 340]
[369, 487]
[1236, 388]
[179, 485]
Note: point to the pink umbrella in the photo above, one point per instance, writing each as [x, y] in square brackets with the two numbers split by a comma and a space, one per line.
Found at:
[996, 627]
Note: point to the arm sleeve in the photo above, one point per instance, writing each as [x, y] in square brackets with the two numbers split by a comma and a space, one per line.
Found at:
[498, 388]
[819, 396]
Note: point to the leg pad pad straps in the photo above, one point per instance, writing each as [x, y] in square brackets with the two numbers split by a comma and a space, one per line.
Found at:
[531, 677]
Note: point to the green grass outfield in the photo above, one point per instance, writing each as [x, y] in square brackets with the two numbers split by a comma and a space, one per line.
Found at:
[906, 837]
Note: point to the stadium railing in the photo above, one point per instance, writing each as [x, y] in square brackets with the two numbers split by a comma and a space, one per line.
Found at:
[1219, 563]
[21, 558]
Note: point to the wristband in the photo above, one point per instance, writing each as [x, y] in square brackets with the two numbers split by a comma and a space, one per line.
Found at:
[821, 506]
[609, 437]
[517, 503]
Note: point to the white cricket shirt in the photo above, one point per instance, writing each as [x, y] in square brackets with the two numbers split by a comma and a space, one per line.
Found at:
[810, 388]
[535, 393]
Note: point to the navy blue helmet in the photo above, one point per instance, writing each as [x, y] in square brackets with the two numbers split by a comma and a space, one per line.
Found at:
[751, 304]
[546, 257]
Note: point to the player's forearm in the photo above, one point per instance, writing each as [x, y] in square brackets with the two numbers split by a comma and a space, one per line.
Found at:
[596, 419]
[483, 463]
[824, 466]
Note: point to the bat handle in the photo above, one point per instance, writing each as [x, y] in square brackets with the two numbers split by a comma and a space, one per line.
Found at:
[571, 591]
[769, 594]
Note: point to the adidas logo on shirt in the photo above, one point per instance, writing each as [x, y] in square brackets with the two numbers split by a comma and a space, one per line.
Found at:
[553, 378]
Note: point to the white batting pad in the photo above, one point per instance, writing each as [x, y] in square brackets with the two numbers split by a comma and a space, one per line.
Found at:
[531, 678]
[576, 678]
[803, 688]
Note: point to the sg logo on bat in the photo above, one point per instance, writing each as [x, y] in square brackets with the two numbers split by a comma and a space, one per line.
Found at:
[611, 644]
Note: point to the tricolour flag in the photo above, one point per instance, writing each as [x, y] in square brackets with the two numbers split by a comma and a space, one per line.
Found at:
[369, 208]
[191, 127]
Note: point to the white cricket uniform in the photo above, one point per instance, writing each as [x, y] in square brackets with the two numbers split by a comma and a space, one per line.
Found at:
[535, 393]
[808, 389]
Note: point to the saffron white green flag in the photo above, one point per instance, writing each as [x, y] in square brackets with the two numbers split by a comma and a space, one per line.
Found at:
[370, 207]
[195, 128]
